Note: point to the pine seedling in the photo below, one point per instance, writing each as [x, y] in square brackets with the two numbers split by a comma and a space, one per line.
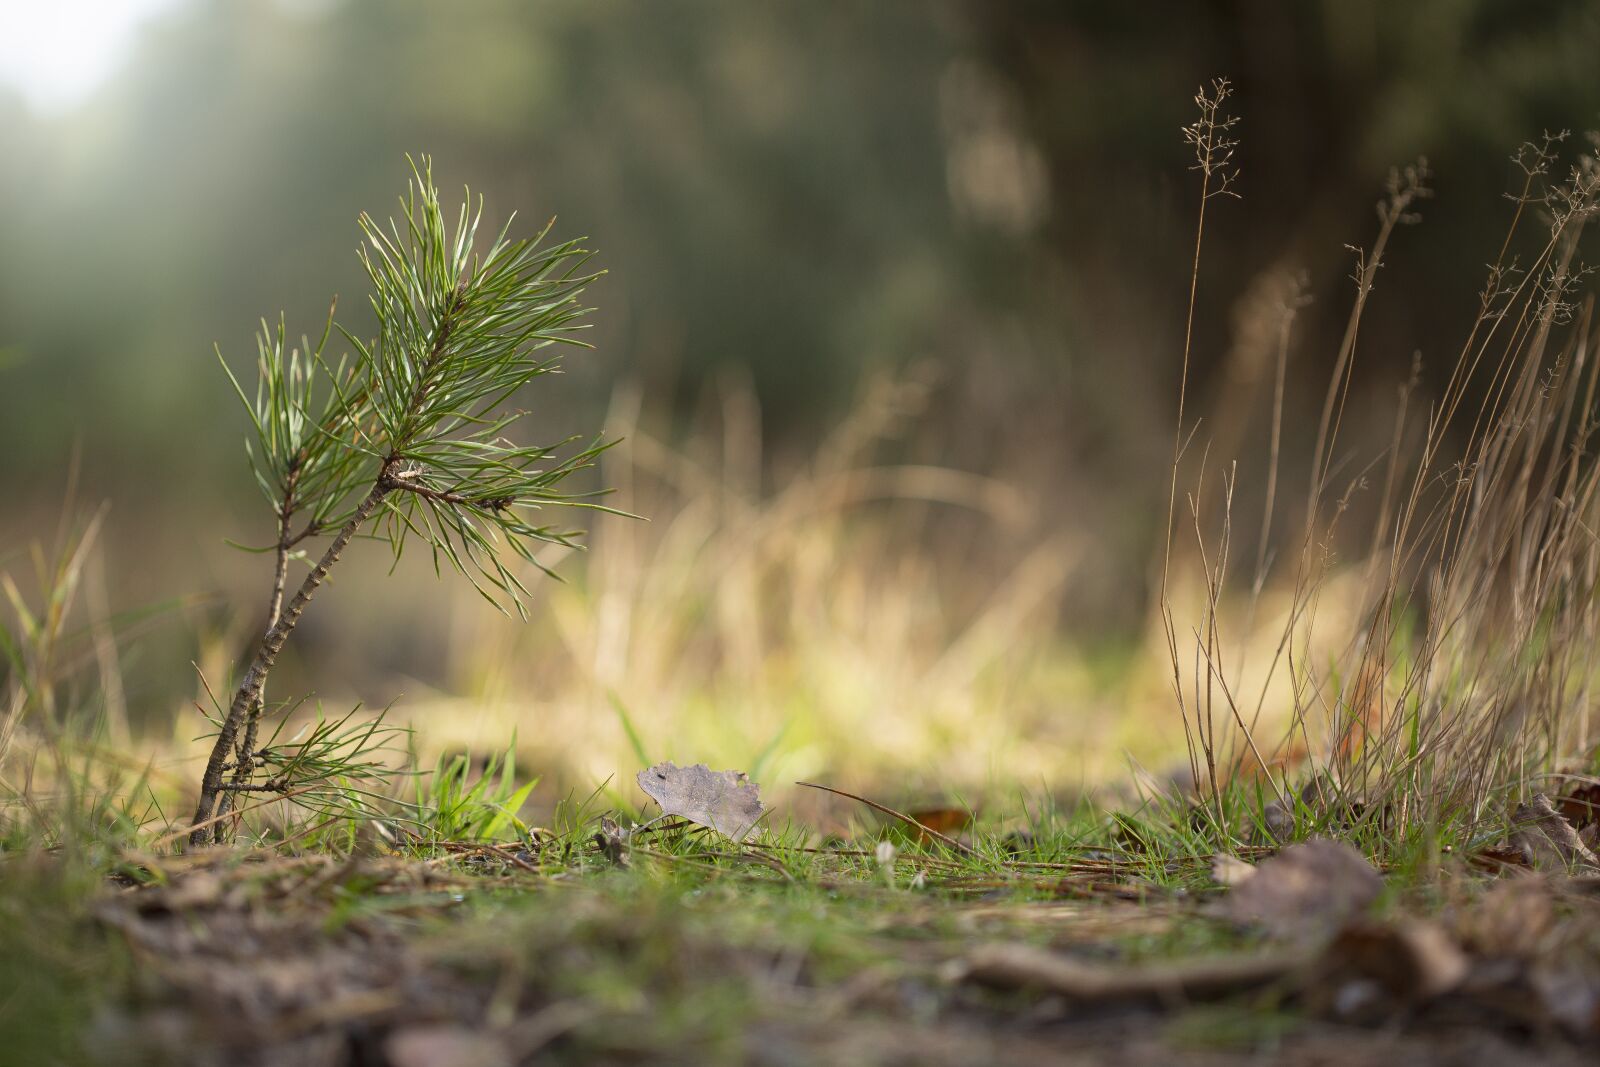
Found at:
[407, 437]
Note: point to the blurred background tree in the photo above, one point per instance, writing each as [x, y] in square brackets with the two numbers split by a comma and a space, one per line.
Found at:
[787, 195]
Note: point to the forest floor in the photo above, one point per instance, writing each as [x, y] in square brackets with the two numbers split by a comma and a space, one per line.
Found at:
[671, 944]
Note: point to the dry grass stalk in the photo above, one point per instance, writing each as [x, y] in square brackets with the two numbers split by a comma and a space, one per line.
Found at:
[1464, 670]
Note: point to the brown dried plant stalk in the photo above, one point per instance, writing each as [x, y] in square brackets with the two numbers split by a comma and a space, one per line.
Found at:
[1465, 673]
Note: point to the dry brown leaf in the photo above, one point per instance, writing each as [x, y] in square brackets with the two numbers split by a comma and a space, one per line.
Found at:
[1414, 961]
[1548, 841]
[726, 801]
[940, 821]
[883, 809]
[611, 841]
[1231, 871]
[1496, 858]
[1305, 889]
[1581, 805]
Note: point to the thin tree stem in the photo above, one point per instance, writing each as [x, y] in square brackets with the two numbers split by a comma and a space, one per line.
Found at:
[244, 753]
[483, 503]
[247, 702]
[267, 654]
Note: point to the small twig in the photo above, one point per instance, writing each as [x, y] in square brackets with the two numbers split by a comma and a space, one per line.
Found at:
[690, 861]
[206, 824]
[303, 834]
[403, 481]
[510, 857]
[902, 816]
[856, 853]
[753, 857]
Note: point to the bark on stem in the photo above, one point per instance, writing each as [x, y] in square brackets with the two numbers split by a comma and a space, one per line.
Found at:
[267, 654]
[244, 753]
[247, 701]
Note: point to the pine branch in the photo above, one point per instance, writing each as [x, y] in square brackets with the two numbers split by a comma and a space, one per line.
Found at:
[407, 432]
[266, 656]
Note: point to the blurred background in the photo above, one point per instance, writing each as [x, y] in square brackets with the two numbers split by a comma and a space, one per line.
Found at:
[892, 324]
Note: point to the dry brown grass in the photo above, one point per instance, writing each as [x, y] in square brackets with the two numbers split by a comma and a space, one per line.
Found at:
[1417, 621]
[1437, 661]
[809, 630]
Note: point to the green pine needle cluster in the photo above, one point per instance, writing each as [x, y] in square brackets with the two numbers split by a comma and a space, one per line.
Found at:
[411, 432]
[419, 408]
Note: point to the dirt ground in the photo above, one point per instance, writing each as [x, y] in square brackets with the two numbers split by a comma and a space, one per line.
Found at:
[316, 961]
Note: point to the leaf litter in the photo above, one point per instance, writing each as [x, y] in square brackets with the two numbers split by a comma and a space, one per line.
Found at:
[1304, 890]
[1521, 956]
[1548, 842]
[266, 959]
[726, 801]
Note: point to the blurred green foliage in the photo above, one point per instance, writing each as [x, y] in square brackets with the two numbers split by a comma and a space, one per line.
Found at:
[786, 193]
[765, 185]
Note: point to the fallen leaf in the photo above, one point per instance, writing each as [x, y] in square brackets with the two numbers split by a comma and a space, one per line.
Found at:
[1548, 841]
[726, 801]
[1411, 961]
[1305, 889]
[611, 841]
[940, 821]
[1231, 871]
[943, 839]
[1581, 806]
[1496, 858]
